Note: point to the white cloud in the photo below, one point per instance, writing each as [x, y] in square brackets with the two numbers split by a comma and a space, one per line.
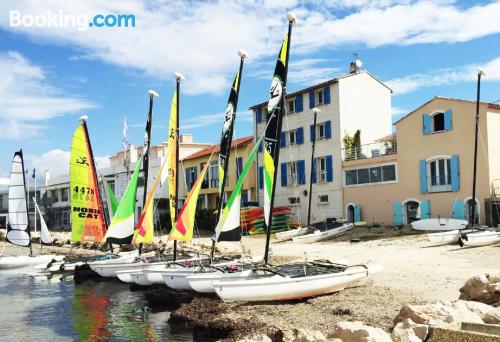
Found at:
[200, 39]
[445, 77]
[26, 96]
[213, 119]
[395, 111]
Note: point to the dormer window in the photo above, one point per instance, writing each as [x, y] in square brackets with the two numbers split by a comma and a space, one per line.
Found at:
[320, 99]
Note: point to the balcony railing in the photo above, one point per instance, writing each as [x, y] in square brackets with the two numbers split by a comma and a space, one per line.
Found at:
[439, 183]
[372, 150]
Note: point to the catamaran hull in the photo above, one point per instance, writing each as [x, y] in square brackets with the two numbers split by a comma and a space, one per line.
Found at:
[177, 279]
[479, 239]
[277, 287]
[323, 235]
[446, 238]
[110, 269]
[21, 261]
[290, 234]
[437, 224]
[137, 274]
[204, 282]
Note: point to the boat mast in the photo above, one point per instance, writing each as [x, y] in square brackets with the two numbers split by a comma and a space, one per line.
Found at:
[472, 210]
[94, 171]
[178, 78]
[225, 155]
[147, 145]
[315, 111]
[26, 199]
[291, 20]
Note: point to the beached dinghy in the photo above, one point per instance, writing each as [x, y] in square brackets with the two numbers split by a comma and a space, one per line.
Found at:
[480, 238]
[290, 281]
[437, 224]
[319, 235]
[446, 238]
[290, 234]
[18, 231]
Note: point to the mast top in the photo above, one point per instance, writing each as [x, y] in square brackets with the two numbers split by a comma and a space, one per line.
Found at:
[292, 18]
[179, 77]
[84, 118]
[153, 93]
[481, 72]
[242, 53]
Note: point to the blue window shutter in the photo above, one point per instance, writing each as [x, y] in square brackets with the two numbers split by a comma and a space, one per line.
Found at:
[326, 94]
[357, 213]
[448, 124]
[299, 103]
[301, 164]
[455, 173]
[329, 168]
[188, 184]
[261, 177]
[457, 210]
[425, 210]
[283, 139]
[422, 166]
[328, 129]
[300, 135]
[313, 180]
[426, 120]
[283, 174]
[259, 115]
[397, 210]
[312, 99]
[312, 132]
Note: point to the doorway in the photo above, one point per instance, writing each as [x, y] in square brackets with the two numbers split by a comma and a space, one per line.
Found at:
[412, 211]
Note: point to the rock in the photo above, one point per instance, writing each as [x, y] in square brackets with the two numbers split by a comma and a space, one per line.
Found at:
[256, 338]
[488, 314]
[409, 331]
[304, 335]
[484, 289]
[359, 332]
[493, 277]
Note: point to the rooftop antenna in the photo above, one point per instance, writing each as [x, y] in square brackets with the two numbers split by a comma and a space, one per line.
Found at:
[355, 65]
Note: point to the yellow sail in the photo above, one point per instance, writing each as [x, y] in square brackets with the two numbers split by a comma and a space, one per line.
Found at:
[183, 230]
[87, 219]
[172, 159]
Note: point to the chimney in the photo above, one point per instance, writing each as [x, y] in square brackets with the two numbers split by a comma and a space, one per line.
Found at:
[47, 177]
[186, 139]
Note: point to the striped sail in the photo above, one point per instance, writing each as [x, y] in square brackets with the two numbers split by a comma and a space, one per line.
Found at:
[228, 227]
[275, 111]
[172, 159]
[183, 229]
[87, 218]
[121, 229]
[145, 226]
[18, 232]
[45, 236]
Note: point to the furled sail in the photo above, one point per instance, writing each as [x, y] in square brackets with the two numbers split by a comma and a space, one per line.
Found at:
[18, 232]
[121, 229]
[45, 236]
[145, 227]
[87, 217]
[183, 229]
[172, 159]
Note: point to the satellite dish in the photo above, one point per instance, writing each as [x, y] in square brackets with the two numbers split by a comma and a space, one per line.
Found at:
[359, 64]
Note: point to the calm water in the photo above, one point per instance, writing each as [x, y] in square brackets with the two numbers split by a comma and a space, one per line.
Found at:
[41, 309]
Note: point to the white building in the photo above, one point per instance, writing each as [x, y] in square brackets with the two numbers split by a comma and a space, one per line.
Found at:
[348, 103]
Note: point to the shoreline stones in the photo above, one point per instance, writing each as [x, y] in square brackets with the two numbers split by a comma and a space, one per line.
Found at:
[483, 288]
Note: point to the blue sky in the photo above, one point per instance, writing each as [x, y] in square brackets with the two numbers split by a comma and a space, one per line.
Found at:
[52, 75]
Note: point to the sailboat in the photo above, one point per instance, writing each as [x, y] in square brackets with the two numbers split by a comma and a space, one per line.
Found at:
[290, 280]
[18, 231]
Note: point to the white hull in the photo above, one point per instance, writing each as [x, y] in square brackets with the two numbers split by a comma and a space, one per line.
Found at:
[204, 282]
[110, 269]
[277, 287]
[446, 238]
[137, 273]
[290, 234]
[177, 278]
[479, 239]
[20, 261]
[323, 235]
[437, 224]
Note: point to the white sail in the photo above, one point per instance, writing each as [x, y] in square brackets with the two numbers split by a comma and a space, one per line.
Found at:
[44, 231]
[17, 229]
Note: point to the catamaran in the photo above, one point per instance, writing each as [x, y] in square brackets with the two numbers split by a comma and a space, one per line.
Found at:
[18, 230]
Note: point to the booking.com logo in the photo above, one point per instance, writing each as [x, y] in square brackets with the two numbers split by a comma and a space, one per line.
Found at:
[60, 19]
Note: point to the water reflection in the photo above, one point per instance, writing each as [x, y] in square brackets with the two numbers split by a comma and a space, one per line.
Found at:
[36, 309]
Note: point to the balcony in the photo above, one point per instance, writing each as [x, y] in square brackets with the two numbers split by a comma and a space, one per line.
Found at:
[376, 149]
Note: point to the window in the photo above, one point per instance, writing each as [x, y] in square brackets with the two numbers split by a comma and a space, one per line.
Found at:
[54, 195]
[1, 201]
[323, 199]
[214, 175]
[371, 175]
[191, 177]
[320, 97]
[239, 168]
[321, 131]
[111, 184]
[439, 175]
[64, 218]
[293, 200]
[290, 107]
[321, 169]
[293, 173]
[65, 195]
[437, 122]
[292, 137]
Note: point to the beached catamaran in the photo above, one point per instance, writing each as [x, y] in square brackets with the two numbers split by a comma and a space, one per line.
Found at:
[18, 230]
[292, 280]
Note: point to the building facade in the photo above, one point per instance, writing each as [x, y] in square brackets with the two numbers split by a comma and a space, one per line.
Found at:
[357, 101]
[209, 193]
[430, 172]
